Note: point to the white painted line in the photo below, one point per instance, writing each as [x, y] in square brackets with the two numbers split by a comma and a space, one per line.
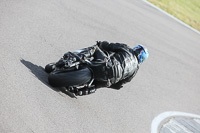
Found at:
[159, 120]
[178, 20]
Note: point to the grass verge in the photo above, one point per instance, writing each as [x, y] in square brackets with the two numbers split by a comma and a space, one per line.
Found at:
[186, 10]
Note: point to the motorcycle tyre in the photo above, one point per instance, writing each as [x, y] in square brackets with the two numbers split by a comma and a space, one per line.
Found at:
[70, 78]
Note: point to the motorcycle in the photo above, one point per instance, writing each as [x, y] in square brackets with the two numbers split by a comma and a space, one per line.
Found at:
[74, 72]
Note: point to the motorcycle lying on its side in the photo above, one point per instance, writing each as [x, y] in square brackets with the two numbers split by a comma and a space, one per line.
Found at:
[74, 72]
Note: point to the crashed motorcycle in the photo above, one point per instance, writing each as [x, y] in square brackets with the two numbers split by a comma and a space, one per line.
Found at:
[74, 72]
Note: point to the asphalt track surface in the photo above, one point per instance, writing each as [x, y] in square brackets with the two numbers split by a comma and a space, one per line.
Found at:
[34, 33]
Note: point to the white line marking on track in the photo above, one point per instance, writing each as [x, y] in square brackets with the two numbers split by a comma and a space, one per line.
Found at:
[159, 120]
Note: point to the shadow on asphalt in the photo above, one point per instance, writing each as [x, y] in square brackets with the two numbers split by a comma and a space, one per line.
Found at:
[40, 74]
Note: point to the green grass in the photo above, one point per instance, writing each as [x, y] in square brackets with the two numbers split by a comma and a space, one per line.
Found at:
[186, 10]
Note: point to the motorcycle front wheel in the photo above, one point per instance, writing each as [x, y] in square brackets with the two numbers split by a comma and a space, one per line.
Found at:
[70, 78]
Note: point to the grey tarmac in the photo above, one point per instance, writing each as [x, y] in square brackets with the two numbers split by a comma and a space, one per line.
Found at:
[35, 33]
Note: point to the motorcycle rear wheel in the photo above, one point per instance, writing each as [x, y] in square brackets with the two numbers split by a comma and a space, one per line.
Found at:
[70, 78]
